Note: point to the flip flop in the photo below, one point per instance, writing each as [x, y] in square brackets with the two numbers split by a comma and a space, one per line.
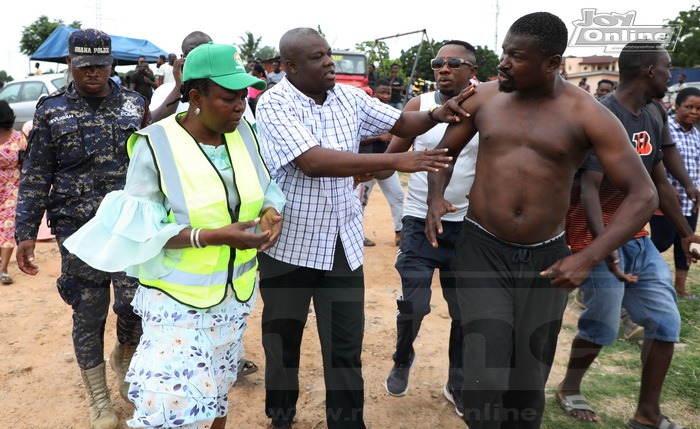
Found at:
[6, 279]
[246, 367]
[664, 423]
[571, 403]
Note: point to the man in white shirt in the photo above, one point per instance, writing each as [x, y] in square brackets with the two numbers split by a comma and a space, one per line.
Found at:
[417, 260]
[276, 75]
[164, 73]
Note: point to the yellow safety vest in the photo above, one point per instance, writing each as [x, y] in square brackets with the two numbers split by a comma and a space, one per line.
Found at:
[201, 277]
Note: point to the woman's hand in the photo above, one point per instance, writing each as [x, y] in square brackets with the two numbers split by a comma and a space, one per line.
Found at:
[242, 235]
[270, 221]
[238, 235]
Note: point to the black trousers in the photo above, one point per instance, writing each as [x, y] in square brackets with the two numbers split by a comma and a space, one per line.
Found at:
[664, 235]
[511, 319]
[338, 297]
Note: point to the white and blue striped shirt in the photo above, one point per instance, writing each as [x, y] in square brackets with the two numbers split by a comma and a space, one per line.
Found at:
[318, 209]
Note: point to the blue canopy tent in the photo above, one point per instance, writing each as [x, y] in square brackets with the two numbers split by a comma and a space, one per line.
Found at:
[125, 50]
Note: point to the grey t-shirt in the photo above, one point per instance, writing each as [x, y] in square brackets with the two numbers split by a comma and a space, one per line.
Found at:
[648, 132]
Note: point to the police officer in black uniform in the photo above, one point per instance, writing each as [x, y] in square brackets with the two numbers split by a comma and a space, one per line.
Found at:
[76, 155]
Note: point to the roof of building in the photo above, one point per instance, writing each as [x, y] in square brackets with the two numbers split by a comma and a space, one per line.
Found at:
[598, 59]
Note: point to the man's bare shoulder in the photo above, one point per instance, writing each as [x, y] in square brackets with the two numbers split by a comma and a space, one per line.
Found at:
[487, 89]
[483, 92]
[581, 105]
[571, 93]
[600, 126]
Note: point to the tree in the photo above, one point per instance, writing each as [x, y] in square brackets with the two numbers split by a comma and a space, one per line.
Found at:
[249, 48]
[37, 32]
[687, 50]
[487, 60]
[377, 54]
[267, 52]
[4, 78]
[427, 52]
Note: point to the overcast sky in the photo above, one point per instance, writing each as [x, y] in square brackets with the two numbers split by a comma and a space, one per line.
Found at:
[344, 22]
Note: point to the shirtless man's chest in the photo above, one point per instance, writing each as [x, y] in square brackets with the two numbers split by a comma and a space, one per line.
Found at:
[525, 168]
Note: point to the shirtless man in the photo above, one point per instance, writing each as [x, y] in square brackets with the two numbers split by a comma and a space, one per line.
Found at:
[535, 129]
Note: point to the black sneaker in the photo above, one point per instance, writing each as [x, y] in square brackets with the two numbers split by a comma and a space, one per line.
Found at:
[397, 381]
[455, 400]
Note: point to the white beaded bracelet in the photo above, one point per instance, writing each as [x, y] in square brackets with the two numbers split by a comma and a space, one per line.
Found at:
[196, 239]
[193, 243]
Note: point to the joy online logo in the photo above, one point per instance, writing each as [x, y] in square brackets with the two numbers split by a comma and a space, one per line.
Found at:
[614, 30]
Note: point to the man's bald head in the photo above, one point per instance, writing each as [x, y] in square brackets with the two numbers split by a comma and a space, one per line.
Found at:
[193, 40]
[290, 41]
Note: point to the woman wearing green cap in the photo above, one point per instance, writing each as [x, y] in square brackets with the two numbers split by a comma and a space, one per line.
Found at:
[197, 207]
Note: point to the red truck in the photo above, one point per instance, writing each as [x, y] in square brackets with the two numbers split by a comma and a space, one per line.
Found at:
[351, 69]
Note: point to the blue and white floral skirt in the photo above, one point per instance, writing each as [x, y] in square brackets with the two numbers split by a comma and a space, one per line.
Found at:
[186, 361]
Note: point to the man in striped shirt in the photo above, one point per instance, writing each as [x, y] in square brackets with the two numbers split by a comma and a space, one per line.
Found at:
[687, 139]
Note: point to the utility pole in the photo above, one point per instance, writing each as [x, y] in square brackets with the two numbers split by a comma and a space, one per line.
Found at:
[495, 33]
[98, 14]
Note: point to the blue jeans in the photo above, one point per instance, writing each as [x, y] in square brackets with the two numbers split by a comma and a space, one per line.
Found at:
[651, 302]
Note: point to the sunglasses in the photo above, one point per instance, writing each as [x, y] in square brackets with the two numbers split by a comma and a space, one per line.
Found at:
[453, 63]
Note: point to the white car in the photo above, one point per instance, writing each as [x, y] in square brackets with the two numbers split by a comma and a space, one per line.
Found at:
[673, 90]
[23, 94]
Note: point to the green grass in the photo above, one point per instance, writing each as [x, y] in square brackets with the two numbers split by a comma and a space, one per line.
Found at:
[612, 383]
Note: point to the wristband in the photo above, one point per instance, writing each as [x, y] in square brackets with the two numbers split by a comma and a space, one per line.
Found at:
[193, 243]
[196, 239]
[430, 113]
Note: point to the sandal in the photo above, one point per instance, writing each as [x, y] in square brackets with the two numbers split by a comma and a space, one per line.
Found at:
[664, 423]
[246, 367]
[6, 279]
[572, 403]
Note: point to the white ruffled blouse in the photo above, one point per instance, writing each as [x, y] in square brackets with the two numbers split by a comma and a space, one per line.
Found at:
[130, 229]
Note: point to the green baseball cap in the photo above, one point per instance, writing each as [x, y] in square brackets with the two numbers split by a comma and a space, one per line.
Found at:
[220, 63]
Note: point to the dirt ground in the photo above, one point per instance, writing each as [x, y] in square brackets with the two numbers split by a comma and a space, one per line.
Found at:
[40, 385]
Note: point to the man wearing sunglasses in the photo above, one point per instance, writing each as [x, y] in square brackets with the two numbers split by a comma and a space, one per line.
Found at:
[417, 259]
[512, 266]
